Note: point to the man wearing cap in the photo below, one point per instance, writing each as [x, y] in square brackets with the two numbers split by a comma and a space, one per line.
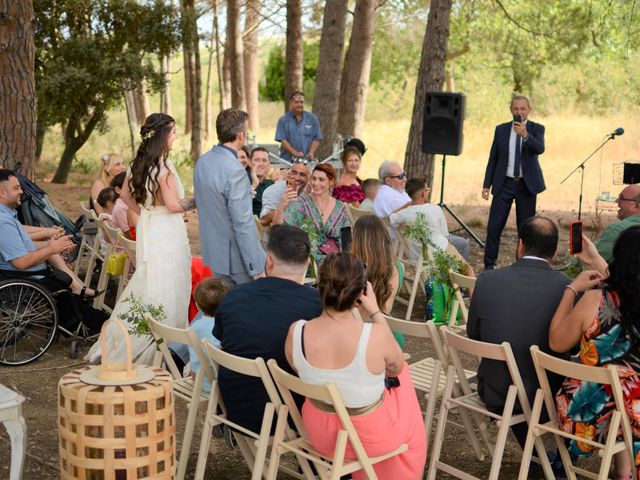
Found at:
[298, 131]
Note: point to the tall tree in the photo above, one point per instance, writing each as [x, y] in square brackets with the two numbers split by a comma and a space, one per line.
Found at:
[236, 61]
[251, 23]
[293, 56]
[357, 67]
[193, 77]
[17, 83]
[329, 72]
[87, 54]
[430, 77]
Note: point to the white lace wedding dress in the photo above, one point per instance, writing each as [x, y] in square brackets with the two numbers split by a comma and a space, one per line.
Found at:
[162, 276]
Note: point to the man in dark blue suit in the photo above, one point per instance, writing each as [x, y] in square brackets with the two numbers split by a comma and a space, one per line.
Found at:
[513, 173]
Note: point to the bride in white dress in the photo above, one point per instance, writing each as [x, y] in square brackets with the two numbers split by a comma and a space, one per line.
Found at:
[163, 255]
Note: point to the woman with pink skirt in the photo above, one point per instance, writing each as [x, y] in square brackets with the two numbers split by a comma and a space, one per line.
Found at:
[357, 356]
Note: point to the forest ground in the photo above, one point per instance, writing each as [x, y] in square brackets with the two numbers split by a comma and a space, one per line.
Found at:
[37, 381]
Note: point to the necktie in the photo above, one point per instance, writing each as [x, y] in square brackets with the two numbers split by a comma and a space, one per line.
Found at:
[516, 161]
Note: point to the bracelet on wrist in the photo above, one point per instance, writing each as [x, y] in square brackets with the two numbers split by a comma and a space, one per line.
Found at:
[375, 313]
[572, 289]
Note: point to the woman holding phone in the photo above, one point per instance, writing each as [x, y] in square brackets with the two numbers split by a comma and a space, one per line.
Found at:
[338, 347]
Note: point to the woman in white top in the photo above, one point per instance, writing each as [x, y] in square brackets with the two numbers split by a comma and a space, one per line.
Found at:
[338, 347]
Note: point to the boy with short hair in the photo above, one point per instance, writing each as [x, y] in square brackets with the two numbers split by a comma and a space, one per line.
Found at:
[207, 295]
[370, 188]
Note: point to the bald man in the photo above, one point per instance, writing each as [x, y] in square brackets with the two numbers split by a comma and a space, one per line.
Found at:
[629, 215]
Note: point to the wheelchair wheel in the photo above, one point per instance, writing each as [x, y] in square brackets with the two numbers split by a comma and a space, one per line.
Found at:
[28, 321]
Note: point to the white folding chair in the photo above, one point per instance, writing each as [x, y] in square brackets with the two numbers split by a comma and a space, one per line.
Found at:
[427, 374]
[186, 387]
[262, 231]
[327, 467]
[470, 401]
[606, 376]
[129, 264]
[254, 452]
[90, 245]
[459, 281]
[355, 213]
[108, 248]
[11, 416]
[414, 275]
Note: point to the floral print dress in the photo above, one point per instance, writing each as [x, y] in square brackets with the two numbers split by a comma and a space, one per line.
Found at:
[584, 408]
[325, 237]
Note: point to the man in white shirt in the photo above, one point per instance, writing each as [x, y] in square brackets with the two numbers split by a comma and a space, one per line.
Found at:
[391, 195]
[278, 196]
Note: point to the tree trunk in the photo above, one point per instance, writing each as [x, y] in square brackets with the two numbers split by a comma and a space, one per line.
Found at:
[329, 72]
[430, 78]
[251, 22]
[207, 95]
[165, 93]
[355, 76]
[75, 136]
[196, 105]
[236, 64]
[224, 102]
[17, 84]
[41, 130]
[293, 56]
[132, 116]
[142, 102]
[226, 76]
[188, 25]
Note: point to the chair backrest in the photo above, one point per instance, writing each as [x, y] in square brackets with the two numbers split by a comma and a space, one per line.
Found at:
[129, 248]
[185, 336]
[252, 367]
[261, 230]
[501, 352]
[89, 212]
[459, 281]
[327, 393]
[424, 330]
[355, 213]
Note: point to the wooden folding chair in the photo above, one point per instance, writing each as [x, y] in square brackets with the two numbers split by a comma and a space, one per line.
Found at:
[619, 420]
[254, 455]
[355, 213]
[414, 275]
[427, 374]
[90, 245]
[129, 264]
[327, 467]
[471, 402]
[459, 281]
[262, 231]
[186, 387]
[108, 248]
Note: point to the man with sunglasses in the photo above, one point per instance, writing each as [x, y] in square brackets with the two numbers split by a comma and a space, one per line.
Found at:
[629, 215]
[391, 195]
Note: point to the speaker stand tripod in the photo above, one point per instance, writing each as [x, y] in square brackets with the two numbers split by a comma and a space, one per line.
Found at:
[451, 212]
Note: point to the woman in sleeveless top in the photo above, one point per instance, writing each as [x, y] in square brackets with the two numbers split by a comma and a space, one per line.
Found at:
[163, 256]
[112, 165]
[349, 186]
[606, 324]
[338, 347]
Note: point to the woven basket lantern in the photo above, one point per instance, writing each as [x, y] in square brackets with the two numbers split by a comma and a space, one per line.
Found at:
[116, 421]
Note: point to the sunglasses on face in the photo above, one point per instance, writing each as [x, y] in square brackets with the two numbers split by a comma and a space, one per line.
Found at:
[401, 176]
[303, 161]
[625, 199]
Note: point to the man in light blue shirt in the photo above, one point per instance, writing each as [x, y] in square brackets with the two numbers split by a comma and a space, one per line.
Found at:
[298, 131]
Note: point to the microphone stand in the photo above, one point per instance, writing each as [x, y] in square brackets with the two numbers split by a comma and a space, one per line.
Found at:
[580, 167]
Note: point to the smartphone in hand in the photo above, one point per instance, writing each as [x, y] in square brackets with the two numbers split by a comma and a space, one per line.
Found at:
[517, 118]
[575, 237]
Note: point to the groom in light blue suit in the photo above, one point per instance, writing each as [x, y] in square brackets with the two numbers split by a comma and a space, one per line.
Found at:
[230, 245]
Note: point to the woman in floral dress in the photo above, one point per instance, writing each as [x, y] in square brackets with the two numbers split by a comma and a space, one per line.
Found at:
[318, 213]
[606, 324]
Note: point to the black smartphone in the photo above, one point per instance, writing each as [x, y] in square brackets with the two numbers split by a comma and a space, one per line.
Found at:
[517, 118]
[364, 274]
[575, 237]
[345, 239]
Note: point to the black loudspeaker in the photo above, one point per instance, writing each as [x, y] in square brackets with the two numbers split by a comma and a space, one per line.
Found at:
[443, 119]
[631, 173]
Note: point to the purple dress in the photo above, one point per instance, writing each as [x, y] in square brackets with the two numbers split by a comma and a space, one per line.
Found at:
[349, 193]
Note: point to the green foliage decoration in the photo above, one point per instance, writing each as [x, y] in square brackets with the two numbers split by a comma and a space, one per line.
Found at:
[437, 264]
[310, 228]
[138, 326]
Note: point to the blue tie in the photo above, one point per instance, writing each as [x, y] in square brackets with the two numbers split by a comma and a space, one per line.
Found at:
[516, 161]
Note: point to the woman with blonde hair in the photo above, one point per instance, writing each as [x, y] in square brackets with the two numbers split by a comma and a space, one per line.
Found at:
[112, 165]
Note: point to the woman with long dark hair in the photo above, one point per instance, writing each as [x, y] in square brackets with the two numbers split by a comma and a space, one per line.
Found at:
[163, 256]
[606, 324]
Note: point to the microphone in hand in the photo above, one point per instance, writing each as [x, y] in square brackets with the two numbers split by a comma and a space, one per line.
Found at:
[616, 132]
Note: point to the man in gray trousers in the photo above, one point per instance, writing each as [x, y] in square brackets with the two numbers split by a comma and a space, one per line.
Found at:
[230, 245]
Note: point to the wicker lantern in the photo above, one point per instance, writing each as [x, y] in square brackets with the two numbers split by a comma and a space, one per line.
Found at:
[116, 421]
